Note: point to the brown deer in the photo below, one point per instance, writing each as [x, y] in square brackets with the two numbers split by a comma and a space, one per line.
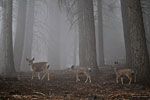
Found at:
[38, 67]
[81, 69]
[128, 72]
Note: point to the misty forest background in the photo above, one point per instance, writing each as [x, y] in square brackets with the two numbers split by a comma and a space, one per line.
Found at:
[92, 33]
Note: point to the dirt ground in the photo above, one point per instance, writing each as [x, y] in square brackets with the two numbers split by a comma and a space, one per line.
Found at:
[62, 86]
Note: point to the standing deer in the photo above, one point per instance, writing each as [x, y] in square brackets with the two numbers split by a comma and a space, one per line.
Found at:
[38, 67]
[128, 72]
[81, 69]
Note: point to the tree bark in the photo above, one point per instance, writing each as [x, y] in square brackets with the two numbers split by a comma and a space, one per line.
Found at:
[100, 33]
[140, 60]
[27, 50]
[146, 18]
[81, 34]
[124, 9]
[75, 49]
[87, 43]
[7, 38]
[20, 31]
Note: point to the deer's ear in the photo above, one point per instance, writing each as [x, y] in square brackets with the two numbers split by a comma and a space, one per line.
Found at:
[33, 58]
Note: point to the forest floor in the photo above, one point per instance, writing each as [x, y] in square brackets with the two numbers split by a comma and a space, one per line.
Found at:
[62, 86]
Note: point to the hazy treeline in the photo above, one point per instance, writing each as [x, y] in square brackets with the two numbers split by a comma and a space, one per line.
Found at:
[66, 32]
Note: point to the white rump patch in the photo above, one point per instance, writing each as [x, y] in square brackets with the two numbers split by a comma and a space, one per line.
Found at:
[89, 68]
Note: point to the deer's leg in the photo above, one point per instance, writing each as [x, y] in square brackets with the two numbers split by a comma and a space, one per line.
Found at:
[130, 79]
[122, 80]
[48, 75]
[33, 74]
[77, 77]
[44, 75]
[87, 77]
[39, 75]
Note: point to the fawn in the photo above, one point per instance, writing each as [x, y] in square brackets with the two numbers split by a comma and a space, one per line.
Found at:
[38, 67]
[128, 72]
[81, 69]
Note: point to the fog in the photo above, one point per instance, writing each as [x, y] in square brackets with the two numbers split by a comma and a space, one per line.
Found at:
[114, 48]
[74, 49]
[50, 36]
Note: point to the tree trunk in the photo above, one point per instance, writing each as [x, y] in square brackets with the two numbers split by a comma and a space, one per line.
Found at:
[87, 43]
[27, 50]
[7, 38]
[81, 34]
[126, 31]
[75, 49]
[100, 33]
[146, 18]
[20, 31]
[140, 61]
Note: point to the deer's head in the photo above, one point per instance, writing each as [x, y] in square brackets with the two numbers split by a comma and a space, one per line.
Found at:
[72, 67]
[30, 62]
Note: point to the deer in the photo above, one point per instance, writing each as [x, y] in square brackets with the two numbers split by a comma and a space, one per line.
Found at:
[38, 67]
[128, 72]
[81, 69]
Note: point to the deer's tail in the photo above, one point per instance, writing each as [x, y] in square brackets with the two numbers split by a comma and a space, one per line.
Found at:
[48, 66]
